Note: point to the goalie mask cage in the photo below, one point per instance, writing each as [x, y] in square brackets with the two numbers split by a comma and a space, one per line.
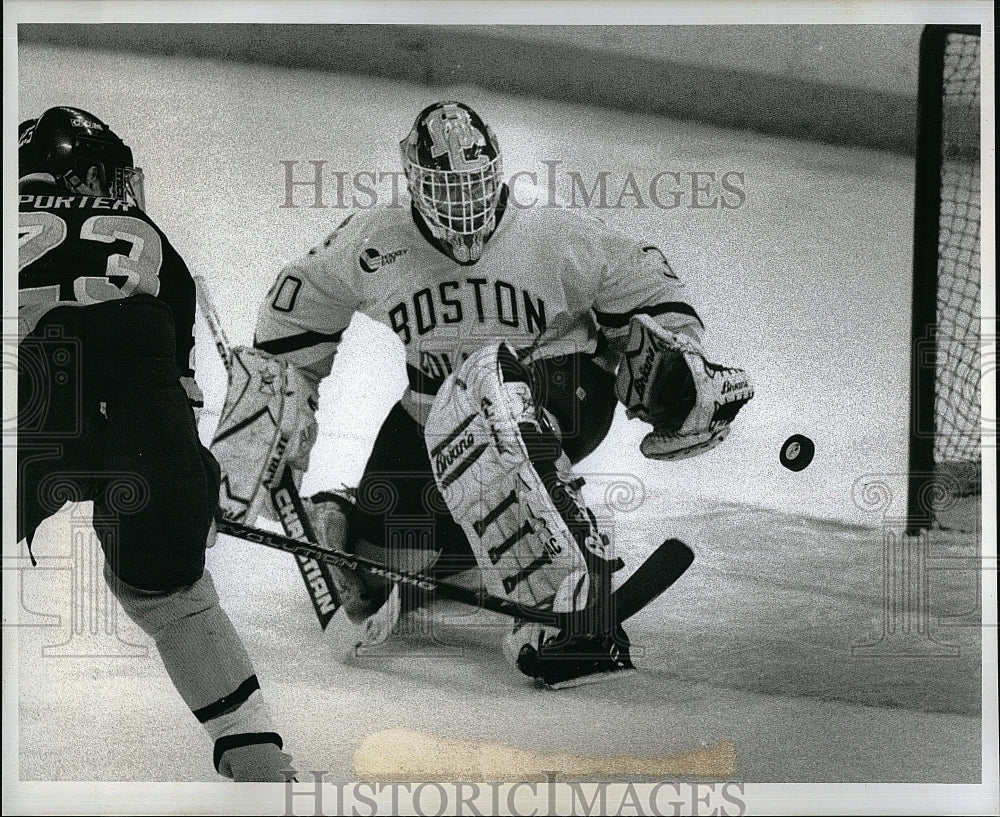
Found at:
[945, 423]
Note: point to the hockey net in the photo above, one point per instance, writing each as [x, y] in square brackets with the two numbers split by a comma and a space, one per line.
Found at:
[945, 439]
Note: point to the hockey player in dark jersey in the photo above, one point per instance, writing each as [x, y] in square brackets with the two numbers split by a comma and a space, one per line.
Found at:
[106, 413]
[522, 329]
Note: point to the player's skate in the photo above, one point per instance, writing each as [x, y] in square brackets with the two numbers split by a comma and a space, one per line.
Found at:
[254, 762]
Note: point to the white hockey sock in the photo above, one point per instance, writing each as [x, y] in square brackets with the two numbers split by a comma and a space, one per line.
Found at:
[246, 746]
[208, 664]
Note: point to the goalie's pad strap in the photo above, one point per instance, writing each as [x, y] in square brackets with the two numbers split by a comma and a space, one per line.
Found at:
[666, 381]
[481, 465]
[268, 419]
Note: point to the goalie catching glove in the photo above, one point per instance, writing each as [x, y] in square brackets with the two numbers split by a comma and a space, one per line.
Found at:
[666, 381]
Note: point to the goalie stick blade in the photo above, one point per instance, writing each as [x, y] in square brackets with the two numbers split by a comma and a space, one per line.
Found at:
[662, 568]
[659, 571]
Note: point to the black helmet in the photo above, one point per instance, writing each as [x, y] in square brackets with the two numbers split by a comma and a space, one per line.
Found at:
[66, 142]
[27, 159]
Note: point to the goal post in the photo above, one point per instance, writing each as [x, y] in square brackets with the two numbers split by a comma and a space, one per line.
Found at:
[945, 422]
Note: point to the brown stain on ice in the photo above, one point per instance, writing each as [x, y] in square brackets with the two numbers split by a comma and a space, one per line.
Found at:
[399, 755]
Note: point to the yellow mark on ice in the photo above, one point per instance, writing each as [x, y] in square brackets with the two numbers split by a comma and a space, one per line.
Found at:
[397, 755]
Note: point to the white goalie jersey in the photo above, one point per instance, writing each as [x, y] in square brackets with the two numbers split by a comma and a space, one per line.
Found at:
[551, 281]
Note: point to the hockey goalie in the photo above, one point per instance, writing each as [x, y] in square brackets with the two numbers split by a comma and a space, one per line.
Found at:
[523, 329]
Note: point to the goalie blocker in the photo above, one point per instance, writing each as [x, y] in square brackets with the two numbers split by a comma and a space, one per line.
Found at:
[666, 381]
[268, 421]
[265, 433]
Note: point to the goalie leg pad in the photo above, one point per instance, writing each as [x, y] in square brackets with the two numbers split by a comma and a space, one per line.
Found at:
[666, 381]
[268, 419]
[482, 434]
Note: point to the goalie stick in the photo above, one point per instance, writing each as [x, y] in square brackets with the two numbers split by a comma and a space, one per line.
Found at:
[660, 570]
[287, 503]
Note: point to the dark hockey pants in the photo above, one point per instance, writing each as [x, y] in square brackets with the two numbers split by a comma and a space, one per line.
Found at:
[102, 416]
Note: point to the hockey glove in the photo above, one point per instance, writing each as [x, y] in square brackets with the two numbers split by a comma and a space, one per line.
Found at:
[666, 381]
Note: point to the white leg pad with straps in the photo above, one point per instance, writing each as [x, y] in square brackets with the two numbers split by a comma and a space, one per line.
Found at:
[481, 464]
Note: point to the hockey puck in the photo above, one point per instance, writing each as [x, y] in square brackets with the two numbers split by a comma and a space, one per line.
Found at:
[797, 452]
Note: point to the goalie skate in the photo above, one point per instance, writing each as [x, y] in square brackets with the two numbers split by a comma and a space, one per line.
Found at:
[381, 624]
[400, 629]
[559, 662]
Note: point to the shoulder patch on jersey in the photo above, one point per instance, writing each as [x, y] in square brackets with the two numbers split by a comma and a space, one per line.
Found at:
[382, 236]
[367, 240]
[371, 260]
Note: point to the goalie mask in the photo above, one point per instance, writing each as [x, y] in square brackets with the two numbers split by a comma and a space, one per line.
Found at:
[67, 142]
[453, 172]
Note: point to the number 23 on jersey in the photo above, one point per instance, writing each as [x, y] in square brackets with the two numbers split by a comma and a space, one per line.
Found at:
[80, 278]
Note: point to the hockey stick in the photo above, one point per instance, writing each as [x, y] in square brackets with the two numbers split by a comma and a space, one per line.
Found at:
[287, 503]
[660, 570]
[211, 316]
